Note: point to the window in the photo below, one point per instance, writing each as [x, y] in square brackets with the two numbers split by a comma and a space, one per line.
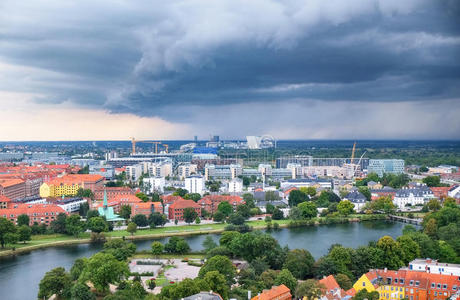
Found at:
[401, 280]
[454, 287]
[435, 293]
[417, 283]
[438, 286]
[396, 280]
[364, 284]
[433, 285]
[411, 282]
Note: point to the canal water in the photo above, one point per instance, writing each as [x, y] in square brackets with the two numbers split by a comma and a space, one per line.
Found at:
[20, 275]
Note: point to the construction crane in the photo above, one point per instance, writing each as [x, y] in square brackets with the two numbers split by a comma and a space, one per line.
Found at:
[134, 142]
[166, 148]
[353, 153]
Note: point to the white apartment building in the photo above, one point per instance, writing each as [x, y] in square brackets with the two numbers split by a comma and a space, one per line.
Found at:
[158, 169]
[134, 172]
[412, 197]
[265, 169]
[71, 205]
[195, 184]
[235, 185]
[433, 266]
[186, 170]
[324, 171]
[155, 184]
[296, 170]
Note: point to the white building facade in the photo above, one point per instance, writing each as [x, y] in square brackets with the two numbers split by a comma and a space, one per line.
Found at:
[155, 184]
[235, 185]
[195, 184]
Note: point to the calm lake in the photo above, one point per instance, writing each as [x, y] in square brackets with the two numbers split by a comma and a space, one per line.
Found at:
[20, 275]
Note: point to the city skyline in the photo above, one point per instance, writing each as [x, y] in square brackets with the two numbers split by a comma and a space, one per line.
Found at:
[170, 71]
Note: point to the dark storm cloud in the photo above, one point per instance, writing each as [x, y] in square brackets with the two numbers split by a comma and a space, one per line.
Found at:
[140, 57]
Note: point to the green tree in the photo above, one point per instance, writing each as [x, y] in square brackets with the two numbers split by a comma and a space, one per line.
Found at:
[157, 219]
[83, 209]
[300, 263]
[277, 214]
[157, 248]
[249, 199]
[431, 228]
[142, 196]
[81, 291]
[218, 216]
[344, 281]
[244, 210]
[432, 181]
[85, 193]
[6, 227]
[74, 225]
[392, 252]
[77, 268]
[285, 277]
[296, 197]
[97, 224]
[225, 208]
[193, 196]
[91, 214]
[309, 289]
[345, 207]
[102, 269]
[308, 209]
[24, 233]
[58, 225]
[365, 191]
[57, 281]
[23, 220]
[190, 215]
[221, 264]
[446, 252]
[177, 245]
[236, 219]
[197, 220]
[217, 282]
[410, 250]
[140, 220]
[268, 278]
[180, 192]
[365, 295]
[125, 212]
[132, 228]
[433, 205]
[120, 249]
[209, 244]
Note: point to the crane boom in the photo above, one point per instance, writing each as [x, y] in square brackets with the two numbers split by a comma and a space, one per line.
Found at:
[353, 153]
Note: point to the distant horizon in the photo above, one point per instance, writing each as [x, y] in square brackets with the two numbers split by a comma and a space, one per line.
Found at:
[240, 140]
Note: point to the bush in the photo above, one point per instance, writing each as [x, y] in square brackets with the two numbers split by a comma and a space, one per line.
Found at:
[149, 263]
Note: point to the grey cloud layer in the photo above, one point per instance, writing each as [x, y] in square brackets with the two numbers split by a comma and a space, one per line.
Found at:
[142, 56]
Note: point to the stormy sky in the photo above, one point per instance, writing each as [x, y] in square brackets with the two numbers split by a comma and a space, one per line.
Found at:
[317, 69]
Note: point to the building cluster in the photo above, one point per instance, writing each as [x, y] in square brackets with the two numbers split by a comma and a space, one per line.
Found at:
[424, 279]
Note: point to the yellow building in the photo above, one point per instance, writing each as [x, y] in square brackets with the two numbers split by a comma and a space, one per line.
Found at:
[365, 282]
[389, 284]
[53, 189]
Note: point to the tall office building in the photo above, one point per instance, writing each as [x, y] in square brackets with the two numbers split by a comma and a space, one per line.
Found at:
[381, 166]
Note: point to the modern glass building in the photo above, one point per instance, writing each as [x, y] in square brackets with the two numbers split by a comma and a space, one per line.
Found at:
[381, 166]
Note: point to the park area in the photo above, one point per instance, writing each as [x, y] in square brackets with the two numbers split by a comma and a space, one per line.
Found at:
[164, 272]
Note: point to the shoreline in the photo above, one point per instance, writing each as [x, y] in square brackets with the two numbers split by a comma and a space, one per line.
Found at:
[26, 249]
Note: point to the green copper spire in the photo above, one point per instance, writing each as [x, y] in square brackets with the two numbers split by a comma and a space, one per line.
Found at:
[106, 204]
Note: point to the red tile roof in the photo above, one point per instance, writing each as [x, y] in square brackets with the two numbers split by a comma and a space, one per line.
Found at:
[330, 283]
[273, 293]
[178, 204]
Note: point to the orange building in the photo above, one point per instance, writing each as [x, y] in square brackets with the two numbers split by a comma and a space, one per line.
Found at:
[112, 192]
[176, 209]
[211, 202]
[38, 213]
[13, 188]
[280, 292]
[5, 202]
